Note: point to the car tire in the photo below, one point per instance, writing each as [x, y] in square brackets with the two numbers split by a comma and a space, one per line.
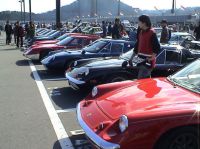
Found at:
[116, 78]
[181, 138]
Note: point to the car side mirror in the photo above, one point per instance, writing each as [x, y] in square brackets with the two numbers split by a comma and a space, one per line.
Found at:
[124, 64]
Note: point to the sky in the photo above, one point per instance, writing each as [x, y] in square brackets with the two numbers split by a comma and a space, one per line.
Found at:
[39, 6]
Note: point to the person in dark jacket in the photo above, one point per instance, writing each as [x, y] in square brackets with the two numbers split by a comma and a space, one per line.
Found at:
[104, 29]
[15, 33]
[109, 29]
[197, 32]
[20, 34]
[116, 30]
[165, 34]
[146, 48]
[9, 31]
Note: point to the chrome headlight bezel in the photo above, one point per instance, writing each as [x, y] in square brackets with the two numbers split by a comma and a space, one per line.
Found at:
[123, 123]
[94, 91]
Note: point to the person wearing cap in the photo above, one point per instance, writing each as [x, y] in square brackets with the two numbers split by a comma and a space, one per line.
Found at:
[165, 34]
[146, 48]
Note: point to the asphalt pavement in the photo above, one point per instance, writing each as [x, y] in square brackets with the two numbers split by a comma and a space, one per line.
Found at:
[37, 107]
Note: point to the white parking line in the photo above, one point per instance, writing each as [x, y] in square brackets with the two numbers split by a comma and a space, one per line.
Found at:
[66, 110]
[62, 135]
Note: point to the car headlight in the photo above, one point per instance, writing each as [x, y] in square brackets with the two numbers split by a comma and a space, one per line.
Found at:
[94, 91]
[123, 123]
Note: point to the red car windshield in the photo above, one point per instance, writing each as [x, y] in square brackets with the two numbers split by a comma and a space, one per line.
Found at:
[188, 77]
[65, 41]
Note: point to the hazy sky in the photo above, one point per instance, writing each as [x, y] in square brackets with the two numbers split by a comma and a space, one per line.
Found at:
[45, 5]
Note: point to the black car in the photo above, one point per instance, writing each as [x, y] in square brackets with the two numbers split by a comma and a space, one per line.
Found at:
[100, 48]
[92, 72]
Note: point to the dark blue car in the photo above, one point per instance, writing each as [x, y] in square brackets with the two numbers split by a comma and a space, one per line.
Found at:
[100, 48]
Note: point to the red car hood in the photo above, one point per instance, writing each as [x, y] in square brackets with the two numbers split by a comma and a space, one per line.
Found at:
[43, 46]
[146, 96]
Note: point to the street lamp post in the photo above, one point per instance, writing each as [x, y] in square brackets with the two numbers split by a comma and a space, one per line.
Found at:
[58, 23]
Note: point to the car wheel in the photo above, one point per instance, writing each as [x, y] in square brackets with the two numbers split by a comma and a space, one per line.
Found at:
[116, 78]
[182, 138]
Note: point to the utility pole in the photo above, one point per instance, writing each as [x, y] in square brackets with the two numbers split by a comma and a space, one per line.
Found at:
[24, 10]
[119, 3]
[21, 10]
[173, 11]
[58, 23]
[30, 13]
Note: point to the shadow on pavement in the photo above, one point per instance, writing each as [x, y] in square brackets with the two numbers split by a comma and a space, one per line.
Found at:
[23, 62]
[67, 98]
[78, 141]
[46, 75]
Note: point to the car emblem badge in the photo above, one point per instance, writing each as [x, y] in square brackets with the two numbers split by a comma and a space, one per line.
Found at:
[89, 114]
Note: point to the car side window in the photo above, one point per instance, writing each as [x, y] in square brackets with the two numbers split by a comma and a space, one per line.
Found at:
[160, 59]
[75, 42]
[106, 49]
[172, 57]
[117, 47]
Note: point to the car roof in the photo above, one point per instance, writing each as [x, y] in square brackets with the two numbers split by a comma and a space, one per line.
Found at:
[85, 36]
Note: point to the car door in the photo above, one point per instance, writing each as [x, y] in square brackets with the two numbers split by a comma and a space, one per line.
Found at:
[117, 49]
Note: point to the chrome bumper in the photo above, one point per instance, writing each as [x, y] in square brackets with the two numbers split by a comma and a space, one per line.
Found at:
[92, 136]
[32, 56]
[74, 80]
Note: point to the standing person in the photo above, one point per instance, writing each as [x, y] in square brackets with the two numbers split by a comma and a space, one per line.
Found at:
[116, 30]
[15, 33]
[109, 29]
[197, 32]
[104, 29]
[31, 30]
[165, 34]
[8, 30]
[146, 47]
[20, 35]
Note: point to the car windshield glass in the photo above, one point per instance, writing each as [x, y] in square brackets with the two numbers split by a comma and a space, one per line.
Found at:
[52, 35]
[62, 37]
[127, 55]
[188, 77]
[65, 41]
[95, 46]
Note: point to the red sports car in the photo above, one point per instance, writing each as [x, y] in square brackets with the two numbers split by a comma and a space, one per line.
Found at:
[160, 113]
[38, 52]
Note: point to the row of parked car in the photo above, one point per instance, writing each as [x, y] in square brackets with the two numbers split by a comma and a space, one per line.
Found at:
[161, 112]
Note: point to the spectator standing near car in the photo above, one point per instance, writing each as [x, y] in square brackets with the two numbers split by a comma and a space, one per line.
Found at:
[104, 27]
[15, 33]
[31, 30]
[109, 28]
[9, 31]
[197, 32]
[116, 30]
[165, 34]
[20, 34]
[146, 47]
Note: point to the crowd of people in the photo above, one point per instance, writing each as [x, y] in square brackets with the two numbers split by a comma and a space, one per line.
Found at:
[19, 33]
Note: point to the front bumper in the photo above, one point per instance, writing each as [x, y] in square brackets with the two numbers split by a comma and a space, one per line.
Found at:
[98, 141]
[32, 56]
[74, 83]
